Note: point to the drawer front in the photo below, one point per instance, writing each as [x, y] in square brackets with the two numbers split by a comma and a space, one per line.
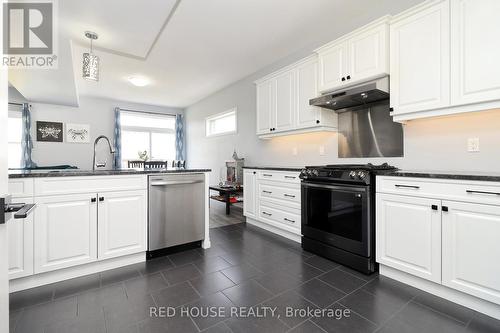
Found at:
[280, 216]
[280, 176]
[281, 193]
[457, 190]
[21, 187]
[76, 185]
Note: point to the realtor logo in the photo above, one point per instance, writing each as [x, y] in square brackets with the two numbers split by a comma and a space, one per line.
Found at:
[29, 34]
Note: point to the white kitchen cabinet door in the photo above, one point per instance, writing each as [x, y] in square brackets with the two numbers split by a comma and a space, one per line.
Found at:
[122, 223]
[265, 106]
[408, 235]
[307, 88]
[369, 54]
[475, 30]
[20, 244]
[420, 60]
[65, 231]
[332, 67]
[471, 249]
[249, 193]
[285, 101]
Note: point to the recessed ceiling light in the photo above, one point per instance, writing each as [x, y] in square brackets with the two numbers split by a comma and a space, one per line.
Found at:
[138, 81]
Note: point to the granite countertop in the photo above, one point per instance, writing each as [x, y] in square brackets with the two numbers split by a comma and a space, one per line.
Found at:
[78, 172]
[459, 175]
[274, 168]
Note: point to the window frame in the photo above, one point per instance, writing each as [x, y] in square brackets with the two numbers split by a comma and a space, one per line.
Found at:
[149, 130]
[219, 116]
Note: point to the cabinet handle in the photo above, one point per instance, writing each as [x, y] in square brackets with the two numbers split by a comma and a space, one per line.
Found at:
[93, 199]
[266, 213]
[444, 208]
[290, 177]
[434, 207]
[101, 199]
[348, 77]
[408, 186]
[266, 175]
[391, 109]
[343, 79]
[482, 192]
[288, 220]
[268, 192]
[289, 195]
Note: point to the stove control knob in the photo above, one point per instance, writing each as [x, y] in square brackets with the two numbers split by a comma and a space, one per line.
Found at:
[361, 174]
[352, 174]
[315, 172]
[303, 173]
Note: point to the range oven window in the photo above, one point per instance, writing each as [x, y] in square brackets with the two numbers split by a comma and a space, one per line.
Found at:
[336, 212]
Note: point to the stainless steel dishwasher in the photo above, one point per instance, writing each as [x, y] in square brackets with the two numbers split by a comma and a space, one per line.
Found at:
[176, 210]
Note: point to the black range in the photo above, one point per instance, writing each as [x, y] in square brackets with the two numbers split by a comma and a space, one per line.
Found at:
[338, 212]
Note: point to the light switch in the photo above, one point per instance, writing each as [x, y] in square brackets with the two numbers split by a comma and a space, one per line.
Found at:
[295, 151]
[322, 150]
[473, 145]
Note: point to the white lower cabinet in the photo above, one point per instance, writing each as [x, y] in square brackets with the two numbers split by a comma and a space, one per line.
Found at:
[121, 223]
[471, 249]
[65, 231]
[20, 244]
[443, 232]
[417, 252]
[249, 197]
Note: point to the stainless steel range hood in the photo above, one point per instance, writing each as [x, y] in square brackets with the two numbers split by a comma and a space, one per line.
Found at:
[373, 91]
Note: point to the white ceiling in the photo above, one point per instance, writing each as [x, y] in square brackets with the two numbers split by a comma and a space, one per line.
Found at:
[202, 47]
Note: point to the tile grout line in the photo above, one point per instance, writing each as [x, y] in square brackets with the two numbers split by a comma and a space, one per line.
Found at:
[382, 325]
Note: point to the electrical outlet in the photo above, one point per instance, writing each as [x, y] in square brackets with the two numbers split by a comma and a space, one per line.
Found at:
[295, 151]
[473, 145]
[321, 150]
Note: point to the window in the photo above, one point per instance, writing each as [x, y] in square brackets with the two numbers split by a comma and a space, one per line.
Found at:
[154, 133]
[15, 128]
[222, 123]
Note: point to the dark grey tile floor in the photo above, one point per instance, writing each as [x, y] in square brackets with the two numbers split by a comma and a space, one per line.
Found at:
[246, 266]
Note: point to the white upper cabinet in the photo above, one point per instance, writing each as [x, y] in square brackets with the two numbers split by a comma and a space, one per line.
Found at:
[444, 59]
[283, 101]
[420, 51]
[265, 106]
[471, 251]
[359, 56]
[476, 51]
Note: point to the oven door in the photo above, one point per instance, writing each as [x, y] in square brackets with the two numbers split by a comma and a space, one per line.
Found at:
[337, 215]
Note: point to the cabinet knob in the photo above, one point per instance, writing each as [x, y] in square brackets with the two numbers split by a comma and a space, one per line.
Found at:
[93, 199]
[348, 77]
[444, 208]
[101, 198]
[391, 109]
[343, 79]
[434, 207]
[317, 121]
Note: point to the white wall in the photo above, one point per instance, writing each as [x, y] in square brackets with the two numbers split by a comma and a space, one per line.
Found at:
[96, 112]
[430, 144]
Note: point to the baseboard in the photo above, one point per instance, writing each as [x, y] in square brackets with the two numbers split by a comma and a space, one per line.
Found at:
[477, 304]
[74, 272]
[270, 228]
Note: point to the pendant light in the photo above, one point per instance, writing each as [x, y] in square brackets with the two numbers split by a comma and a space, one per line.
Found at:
[90, 60]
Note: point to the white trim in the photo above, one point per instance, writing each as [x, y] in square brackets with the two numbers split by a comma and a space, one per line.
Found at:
[298, 131]
[221, 115]
[292, 236]
[453, 295]
[74, 272]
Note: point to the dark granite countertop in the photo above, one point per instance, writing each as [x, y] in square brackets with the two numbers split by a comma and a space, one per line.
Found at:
[459, 175]
[273, 168]
[78, 172]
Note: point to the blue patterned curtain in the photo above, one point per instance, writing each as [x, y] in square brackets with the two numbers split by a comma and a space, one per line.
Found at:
[179, 137]
[118, 139]
[26, 142]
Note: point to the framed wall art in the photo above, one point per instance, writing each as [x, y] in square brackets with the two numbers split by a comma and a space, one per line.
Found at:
[77, 133]
[48, 131]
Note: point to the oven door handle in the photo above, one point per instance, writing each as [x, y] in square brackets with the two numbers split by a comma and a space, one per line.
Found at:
[335, 187]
